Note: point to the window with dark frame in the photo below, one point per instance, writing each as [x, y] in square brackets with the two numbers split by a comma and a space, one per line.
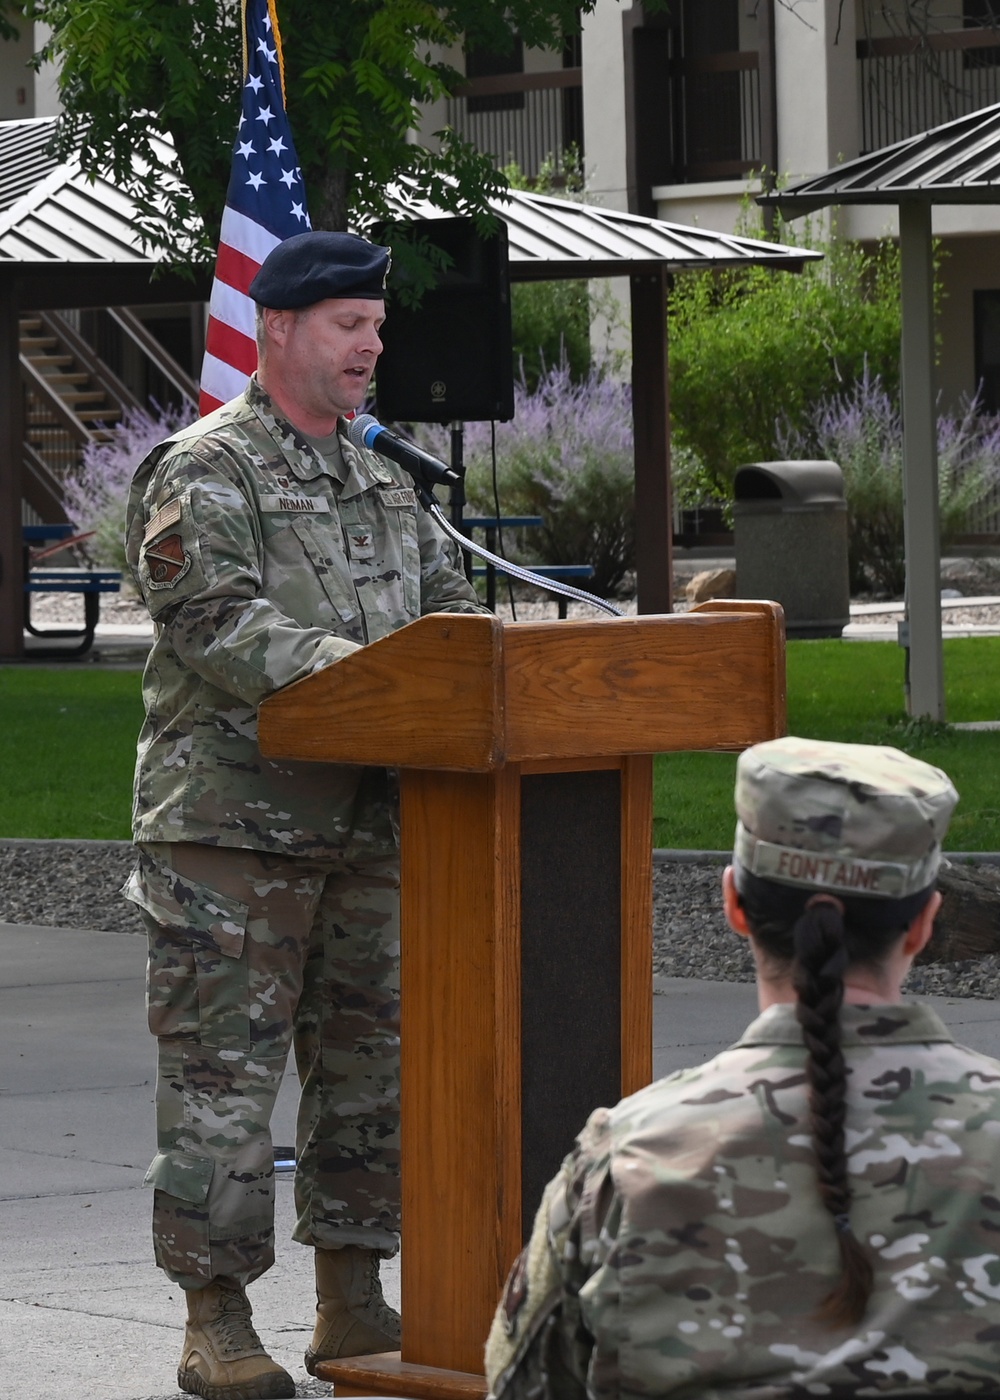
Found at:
[493, 63]
[572, 98]
[713, 117]
[984, 15]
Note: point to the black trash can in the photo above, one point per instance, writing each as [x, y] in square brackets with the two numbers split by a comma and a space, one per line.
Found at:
[790, 532]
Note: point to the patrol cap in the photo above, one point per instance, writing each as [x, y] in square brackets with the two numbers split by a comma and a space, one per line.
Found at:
[852, 819]
[313, 266]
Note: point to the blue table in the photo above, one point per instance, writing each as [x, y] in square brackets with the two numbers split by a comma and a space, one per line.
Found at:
[90, 582]
[491, 525]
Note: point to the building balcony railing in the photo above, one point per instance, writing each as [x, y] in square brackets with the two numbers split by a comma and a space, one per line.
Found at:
[530, 118]
[908, 84]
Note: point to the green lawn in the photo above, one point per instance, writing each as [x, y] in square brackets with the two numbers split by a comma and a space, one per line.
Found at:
[853, 691]
[69, 743]
[68, 751]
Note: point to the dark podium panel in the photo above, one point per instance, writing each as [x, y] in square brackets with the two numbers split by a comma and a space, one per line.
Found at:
[571, 1053]
[526, 808]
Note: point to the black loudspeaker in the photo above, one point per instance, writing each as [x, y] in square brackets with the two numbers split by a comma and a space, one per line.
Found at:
[451, 358]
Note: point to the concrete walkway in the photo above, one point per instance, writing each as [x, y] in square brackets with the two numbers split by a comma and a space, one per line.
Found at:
[83, 1312]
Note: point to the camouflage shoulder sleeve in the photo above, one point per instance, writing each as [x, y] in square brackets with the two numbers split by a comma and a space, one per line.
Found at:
[193, 544]
[537, 1345]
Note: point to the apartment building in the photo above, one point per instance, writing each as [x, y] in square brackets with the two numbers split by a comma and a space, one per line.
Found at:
[677, 109]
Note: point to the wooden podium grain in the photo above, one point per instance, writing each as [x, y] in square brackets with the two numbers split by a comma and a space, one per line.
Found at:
[525, 753]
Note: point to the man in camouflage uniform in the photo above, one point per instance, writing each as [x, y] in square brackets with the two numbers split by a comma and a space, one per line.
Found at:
[267, 546]
[684, 1248]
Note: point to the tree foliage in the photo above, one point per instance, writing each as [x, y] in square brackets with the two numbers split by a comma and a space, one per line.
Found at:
[357, 74]
[754, 348]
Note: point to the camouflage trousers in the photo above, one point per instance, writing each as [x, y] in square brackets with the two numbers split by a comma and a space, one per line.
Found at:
[249, 954]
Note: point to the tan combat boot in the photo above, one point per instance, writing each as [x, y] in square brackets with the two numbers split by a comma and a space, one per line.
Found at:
[223, 1358]
[352, 1317]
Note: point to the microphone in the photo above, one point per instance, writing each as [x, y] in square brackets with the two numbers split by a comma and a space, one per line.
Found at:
[367, 431]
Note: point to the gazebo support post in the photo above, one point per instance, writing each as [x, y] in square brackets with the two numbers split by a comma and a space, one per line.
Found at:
[11, 450]
[922, 534]
[654, 524]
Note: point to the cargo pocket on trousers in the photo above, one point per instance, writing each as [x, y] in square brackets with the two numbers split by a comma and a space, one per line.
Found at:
[181, 1182]
[184, 1175]
[199, 935]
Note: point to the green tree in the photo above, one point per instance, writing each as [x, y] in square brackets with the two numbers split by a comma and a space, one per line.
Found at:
[357, 74]
[551, 326]
[752, 349]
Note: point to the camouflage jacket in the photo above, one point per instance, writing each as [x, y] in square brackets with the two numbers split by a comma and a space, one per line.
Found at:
[259, 566]
[683, 1246]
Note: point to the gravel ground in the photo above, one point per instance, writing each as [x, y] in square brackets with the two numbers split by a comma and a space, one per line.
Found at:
[972, 614]
[692, 939]
[66, 609]
[68, 884]
[970, 578]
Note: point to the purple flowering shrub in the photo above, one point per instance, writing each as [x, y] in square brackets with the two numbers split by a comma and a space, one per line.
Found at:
[95, 495]
[567, 456]
[862, 431]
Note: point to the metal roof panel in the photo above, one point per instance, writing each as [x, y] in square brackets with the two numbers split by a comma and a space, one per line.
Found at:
[955, 163]
[65, 216]
[556, 237]
[24, 159]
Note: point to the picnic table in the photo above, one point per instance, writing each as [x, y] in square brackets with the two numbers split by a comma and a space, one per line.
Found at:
[492, 526]
[91, 583]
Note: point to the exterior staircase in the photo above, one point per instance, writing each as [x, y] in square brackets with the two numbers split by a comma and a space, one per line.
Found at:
[72, 398]
[75, 386]
[69, 402]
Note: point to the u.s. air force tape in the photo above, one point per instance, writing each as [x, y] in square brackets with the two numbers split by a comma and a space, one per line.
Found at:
[845, 874]
[397, 497]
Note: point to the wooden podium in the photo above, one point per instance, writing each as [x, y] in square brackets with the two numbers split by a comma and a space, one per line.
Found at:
[526, 805]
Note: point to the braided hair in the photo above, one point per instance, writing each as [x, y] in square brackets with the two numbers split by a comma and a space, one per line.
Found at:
[818, 938]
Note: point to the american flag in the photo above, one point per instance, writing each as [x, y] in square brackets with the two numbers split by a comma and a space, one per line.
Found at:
[265, 204]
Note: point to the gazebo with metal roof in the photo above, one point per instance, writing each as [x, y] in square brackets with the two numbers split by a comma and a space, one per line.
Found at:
[68, 240]
[957, 163]
[65, 242]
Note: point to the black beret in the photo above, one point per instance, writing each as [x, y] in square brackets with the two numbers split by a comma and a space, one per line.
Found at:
[310, 267]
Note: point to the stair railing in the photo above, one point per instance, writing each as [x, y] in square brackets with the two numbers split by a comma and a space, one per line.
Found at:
[39, 385]
[42, 488]
[120, 394]
[154, 351]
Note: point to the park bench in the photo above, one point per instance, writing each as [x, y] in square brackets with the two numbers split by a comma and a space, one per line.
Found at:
[491, 525]
[91, 583]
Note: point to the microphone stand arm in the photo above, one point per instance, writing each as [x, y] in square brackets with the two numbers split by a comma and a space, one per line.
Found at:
[504, 566]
